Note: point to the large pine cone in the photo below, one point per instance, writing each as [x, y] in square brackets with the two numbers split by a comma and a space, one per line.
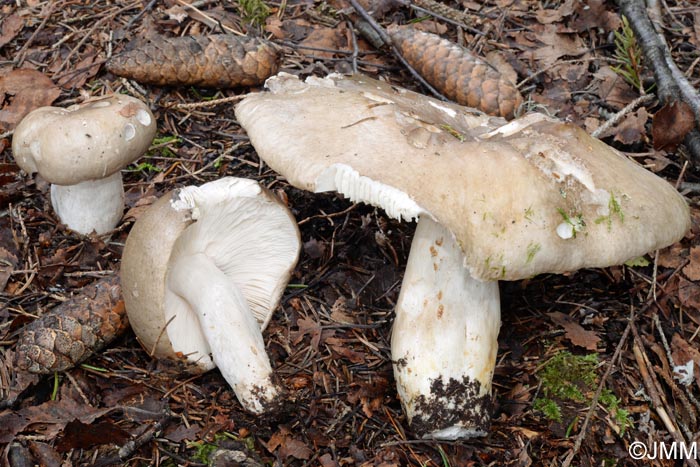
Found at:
[217, 61]
[72, 331]
[457, 73]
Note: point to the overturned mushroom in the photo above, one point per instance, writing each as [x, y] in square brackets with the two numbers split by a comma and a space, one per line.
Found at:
[80, 151]
[202, 271]
[494, 201]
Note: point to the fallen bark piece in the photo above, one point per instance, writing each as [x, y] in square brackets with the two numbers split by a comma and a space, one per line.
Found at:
[74, 330]
[216, 61]
[456, 72]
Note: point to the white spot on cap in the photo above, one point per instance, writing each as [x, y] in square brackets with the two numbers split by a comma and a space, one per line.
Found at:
[129, 131]
[447, 110]
[565, 230]
[100, 104]
[143, 117]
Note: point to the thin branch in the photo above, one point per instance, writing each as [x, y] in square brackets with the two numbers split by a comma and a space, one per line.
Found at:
[658, 57]
[387, 40]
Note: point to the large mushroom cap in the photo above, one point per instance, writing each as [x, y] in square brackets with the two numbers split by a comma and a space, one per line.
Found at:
[532, 196]
[245, 232]
[83, 142]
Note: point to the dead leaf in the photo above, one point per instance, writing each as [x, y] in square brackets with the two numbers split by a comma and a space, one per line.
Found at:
[45, 454]
[326, 460]
[140, 207]
[323, 38]
[182, 433]
[550, 15]
[338, 312]
[339, 347]
[689, 293]
[274, 26]
[672, 257]
[431, 26]
[9, 255]
[79, 435]
[633, 128]
[594, 14]
[574, 332]
[288, 445]
[611, 87]
[21, 91]
[557, 45]
[682, 352]
[177, 13]
[11, 26]
[692, 270]
[657, 162]
[47, 419]
[670, 125]
[83, 70]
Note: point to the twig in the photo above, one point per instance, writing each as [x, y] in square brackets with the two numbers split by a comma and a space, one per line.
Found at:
[355, 50]
[650, 385]
[443, 13]
[140, 14]
[387, 40]
[594, 403]
[47, 11]
[615, 119]
[658, 56]
[210, 103]
[131, 446]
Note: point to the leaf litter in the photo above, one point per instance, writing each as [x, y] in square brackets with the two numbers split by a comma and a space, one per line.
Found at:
[329, 341]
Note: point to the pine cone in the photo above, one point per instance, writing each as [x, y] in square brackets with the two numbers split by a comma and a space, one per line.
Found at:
[216, 61]
[73, 330]
[456, 72]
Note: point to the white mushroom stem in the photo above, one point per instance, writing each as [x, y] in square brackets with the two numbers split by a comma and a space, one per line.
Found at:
[231, 330]
[91, 205]
[445, 339]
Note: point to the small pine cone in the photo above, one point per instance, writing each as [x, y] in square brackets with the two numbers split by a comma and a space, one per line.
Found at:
[216, 61]
[73, 330]
[456, 72]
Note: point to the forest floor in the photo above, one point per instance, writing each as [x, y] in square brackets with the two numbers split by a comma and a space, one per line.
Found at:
[630, 329]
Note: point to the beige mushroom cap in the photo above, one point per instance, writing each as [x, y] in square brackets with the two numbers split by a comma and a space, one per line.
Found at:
[87, 141]
[532, 196]
[144, 274]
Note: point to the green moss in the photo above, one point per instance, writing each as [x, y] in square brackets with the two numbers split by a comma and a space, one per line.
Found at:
[549, 408]
[254, 11]
[449, 129]
[532, 250]
[638, 262]
[529, 212]
[496, 268]
[614, 209]
[573, 378]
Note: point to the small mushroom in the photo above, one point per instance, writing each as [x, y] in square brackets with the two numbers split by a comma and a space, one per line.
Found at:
[80, 151]
[202, 271]
[494, 201]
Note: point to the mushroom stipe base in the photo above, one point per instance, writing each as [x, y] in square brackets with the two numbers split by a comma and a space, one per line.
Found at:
[461, 406]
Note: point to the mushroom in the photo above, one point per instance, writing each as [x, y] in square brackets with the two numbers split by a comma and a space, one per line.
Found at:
[202, 271]
[80, 151]
[493, 201]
